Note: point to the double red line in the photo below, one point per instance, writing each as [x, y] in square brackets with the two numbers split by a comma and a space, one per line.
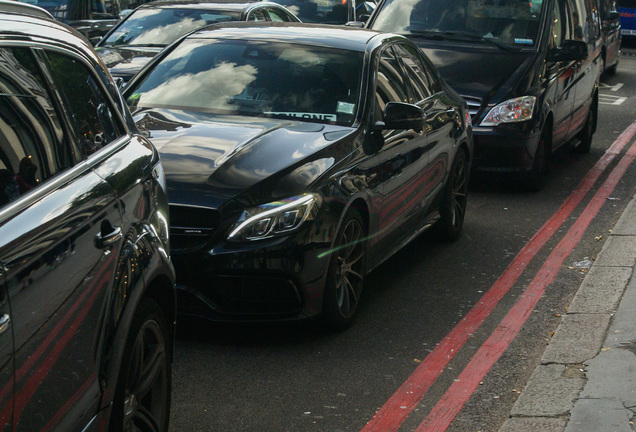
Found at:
[408, 396]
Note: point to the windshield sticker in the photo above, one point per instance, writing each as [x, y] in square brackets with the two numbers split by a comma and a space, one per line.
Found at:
[305, 116]
[524, 41]
[345, 108]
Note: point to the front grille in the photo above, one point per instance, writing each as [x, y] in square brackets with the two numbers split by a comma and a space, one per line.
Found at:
[191, 227]
[474, 105]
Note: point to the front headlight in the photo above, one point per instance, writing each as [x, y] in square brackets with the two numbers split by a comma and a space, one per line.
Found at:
[511, 111]
[275, 218]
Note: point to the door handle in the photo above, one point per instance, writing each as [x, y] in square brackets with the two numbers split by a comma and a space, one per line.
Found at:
[113, 236]
[5, 321]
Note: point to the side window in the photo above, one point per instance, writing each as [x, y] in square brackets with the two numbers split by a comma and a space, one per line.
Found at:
[390, 85]
[257, 15]
[561, 22]
[276, 15]
[416, 72]
[31, 136]
[92, 120]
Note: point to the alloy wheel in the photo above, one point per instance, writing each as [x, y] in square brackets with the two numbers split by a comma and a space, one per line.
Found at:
[349, 268]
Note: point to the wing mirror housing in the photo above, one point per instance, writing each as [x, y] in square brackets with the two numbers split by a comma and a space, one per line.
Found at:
[400, 115]
[570, 50]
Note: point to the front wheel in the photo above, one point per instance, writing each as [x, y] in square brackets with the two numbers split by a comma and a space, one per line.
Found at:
[533, 181]
[454, 199]
[142, 397]
[345, 275]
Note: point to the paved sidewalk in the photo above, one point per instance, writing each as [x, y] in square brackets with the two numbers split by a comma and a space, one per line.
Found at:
[586, 381]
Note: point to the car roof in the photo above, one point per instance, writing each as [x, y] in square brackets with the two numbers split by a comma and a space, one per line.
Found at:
[206, 4]
[38, 27]
[330, 36]
[17, 7]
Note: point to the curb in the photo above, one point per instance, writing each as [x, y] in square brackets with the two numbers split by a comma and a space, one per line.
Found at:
[586, 381]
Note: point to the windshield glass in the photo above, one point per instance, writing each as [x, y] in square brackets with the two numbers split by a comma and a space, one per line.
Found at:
[255, 79]
[155, 26]
[510, 22]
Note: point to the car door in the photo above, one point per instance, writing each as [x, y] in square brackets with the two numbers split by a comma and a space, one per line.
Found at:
[442, 126]
[59, 237]
[7, 364]
[586, 72]
[561, 74]
[402, 158]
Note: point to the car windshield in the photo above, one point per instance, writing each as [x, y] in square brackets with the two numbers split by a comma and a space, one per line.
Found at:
[161, 26]
[502, 22]
[253, 78]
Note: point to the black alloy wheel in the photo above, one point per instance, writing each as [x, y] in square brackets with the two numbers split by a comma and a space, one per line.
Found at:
[345, 276]
[453, 205]
[587, 133]
[142, 400]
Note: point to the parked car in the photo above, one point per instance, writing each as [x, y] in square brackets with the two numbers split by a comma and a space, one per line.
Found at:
[151, 27]
[338, 12]
[87, 304]
[528, 69]
[611, 31]
[92, 18]
[298, 158]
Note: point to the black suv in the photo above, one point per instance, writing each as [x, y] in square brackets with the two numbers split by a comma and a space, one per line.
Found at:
[87, 303]
[529, 71]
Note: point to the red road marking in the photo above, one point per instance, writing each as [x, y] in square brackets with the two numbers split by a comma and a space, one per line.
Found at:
[405, 399]
[456, 396]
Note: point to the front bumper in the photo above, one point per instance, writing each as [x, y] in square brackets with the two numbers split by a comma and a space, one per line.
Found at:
[268, 280]
[507, 148]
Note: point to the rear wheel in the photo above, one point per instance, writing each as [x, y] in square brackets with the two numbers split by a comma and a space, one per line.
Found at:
[346, 273]
[454, 199]
[142, 397]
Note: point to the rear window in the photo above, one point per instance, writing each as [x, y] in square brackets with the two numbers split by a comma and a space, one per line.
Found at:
[262, 79]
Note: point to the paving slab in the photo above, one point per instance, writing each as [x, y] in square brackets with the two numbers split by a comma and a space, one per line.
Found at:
[601, 290]
[550, 392]
[627, 223]
[619, 251]
[534, 424]
[604, 415]
[578, 338]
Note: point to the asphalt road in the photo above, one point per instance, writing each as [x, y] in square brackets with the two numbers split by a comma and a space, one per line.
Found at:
[291, 377]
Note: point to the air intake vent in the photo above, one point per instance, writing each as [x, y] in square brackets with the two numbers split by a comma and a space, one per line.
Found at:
[474, 105]
[191, 227]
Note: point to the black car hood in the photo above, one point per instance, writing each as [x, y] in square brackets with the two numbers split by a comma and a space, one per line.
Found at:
[480, 73]
[209, 159]
[126, 62]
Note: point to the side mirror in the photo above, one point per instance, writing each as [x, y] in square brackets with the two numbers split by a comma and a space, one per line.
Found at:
[570, 50]
[400, 115]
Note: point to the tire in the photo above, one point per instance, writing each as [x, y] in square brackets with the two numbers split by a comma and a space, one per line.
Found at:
[454, 199]
[533, 181]
[586, 134]
[345, 275]
[142, 396]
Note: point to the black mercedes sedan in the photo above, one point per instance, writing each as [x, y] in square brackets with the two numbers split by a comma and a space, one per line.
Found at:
[298, 158]
[129, 46]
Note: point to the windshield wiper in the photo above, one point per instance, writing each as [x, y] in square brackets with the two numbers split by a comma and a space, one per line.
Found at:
[461, 35]
[425, 34]
[145, 45]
